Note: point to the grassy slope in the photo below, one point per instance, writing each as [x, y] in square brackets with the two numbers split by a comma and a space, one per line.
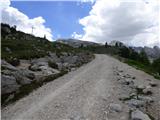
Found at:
[145, 68]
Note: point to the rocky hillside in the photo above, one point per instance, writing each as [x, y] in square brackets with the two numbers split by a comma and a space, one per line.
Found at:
[152, 53]
[77, 43]
[28, 62]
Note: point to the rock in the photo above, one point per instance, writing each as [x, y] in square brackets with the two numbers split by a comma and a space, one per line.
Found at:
[115, 107]
[139, 115]
[152, 84]
[70, 59]
[27, 73]
[6, 65]
[147, 90]
[73, 69]
[146, 99]
[21, 79]
[48, 71]
[134, 103]
[127, 76]
[128, 82]
[124, 97]
[36, 65]
[8, 84]
[140, 89]
[34, 68]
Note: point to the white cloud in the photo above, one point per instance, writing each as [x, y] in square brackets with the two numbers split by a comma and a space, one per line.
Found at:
[13, 16]
[132, 22]
[76, 36]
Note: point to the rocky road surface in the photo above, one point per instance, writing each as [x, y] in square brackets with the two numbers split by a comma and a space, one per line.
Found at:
[104, 89]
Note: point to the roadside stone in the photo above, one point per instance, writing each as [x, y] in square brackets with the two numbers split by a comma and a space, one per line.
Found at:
[147, 90]
[128, 82]
[115, 107]
[140, 89]
[134, 103]
[146, 99]
[139, 115]
[152, 84]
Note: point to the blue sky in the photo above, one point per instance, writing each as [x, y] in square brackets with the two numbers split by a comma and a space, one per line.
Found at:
[61, 17]
[133, 23]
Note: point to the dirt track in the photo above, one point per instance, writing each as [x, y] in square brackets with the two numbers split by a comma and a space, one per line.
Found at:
[82, 94]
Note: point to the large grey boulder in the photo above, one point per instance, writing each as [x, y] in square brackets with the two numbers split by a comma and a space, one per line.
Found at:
[139, 115]
[6, 65]
[21, 78]
[27, 73]
[69, 59]
[8, 84]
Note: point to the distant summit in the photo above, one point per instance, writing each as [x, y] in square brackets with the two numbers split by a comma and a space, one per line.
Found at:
[116, 43]
[152, 53]
[77, 43]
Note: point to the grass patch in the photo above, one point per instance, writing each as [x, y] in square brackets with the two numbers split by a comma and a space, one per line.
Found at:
[145, 68]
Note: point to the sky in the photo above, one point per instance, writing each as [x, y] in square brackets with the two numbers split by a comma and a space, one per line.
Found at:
[134, 22]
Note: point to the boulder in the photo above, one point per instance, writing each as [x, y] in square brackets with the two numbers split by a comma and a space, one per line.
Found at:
[139, 115]
[21, 79]
[115, 107]
[27, 73]
[8, 84]
[6, 65]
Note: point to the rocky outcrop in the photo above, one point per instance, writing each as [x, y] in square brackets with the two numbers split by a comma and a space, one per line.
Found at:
[77, 43]
[38, 71]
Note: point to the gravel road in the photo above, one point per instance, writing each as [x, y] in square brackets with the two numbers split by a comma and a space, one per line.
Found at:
[83, 94]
